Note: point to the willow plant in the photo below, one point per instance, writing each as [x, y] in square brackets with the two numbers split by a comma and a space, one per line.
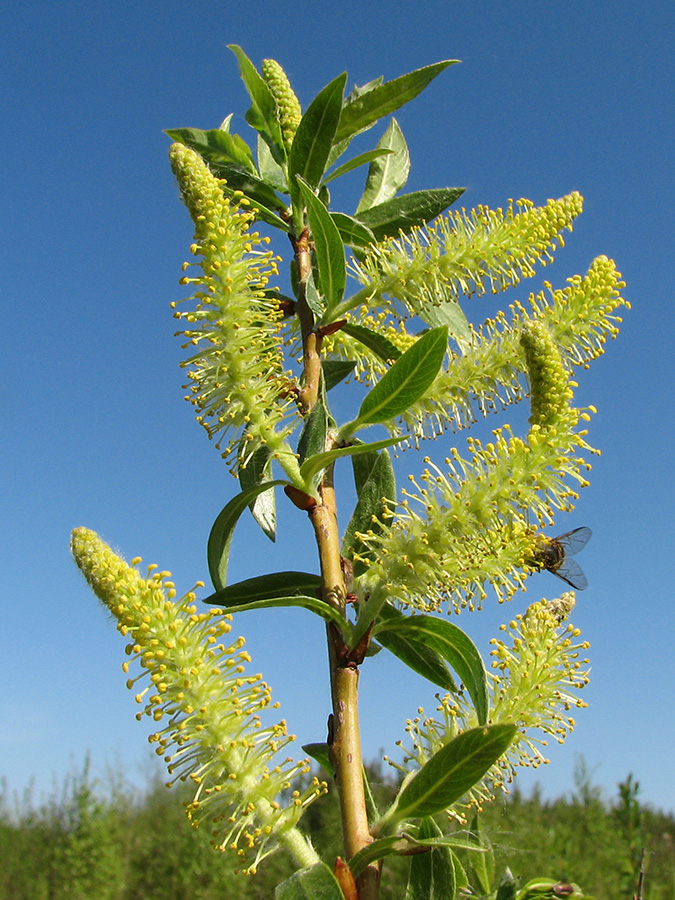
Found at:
[261, 368]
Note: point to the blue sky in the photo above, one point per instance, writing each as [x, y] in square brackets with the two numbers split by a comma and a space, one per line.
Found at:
[548, 98]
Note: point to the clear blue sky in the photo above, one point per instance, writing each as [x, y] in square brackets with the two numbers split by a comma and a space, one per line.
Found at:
[549, 98]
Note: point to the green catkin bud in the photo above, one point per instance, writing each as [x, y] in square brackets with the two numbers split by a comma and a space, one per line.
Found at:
[549, 389]
[288, 105]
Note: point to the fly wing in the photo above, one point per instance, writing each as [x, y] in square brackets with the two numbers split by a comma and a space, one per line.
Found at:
[572, 573]
[574, 541]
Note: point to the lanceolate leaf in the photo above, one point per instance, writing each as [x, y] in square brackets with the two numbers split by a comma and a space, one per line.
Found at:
[437, 636]
[432, 874]
[357, 161]
[216, 146]
[407, 380]
[335, 371]
[313, 436]
[450, 314]
[380, 483]
[373, 340]
[239, 176]
[483, 864]
[260, 209]
[315, 463]
[270, 170]
[386, 176]
[451, 771]
[417, 656]
[314, 883]
[314, 138]
[359, 90]
[268, 587]
[263, 112]
[379, 849]
[311, 603]
[321, 753]
[407, 211]
[330, 254]
[218, 547]
[402, 844]
[263, 508]
[383, 99]
[353, 232]
[314, 299]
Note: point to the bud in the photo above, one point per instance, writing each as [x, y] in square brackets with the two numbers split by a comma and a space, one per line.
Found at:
[288, 105]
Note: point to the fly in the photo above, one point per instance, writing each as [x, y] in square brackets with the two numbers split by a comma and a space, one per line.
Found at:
[553, 554]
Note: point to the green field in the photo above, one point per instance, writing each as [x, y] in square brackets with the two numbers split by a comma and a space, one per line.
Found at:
[89, 841]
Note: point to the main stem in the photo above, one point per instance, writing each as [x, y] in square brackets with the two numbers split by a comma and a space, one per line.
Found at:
[345, 740]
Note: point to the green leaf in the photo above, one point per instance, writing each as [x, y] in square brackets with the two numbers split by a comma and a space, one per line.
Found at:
[357, 161]
[352, 231]
[335, 371]
[450, 314]
[239, 177]
[383, 99]
[260, 210]
[446, 640]
[451, 772]
[217, 146]
[359, 90]
[314, 299]
[373, 340]
[218, 547]
[371, 805]
[339, 148]
[483, 864]
[263, 199]
[314, 138]
[314, 432]
[330, 253]
[379, 849]
[314, 883]
[412, 651]
[379, 483]
[320, 753]
[432, 874]
[461, 878]
[386, 176]
[270, 171]
[263, 112]
[404, 844]
[407, 211]
[314, 464]
[319, 607]
[507, 886]
[407, 380]
[268, 587]
[264, 507]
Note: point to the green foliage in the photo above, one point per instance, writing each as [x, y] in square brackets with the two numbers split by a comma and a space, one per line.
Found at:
[218, 548]
[431, 635]
[450, 773]
[90, 840]
[314, 883]
[408, 379]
